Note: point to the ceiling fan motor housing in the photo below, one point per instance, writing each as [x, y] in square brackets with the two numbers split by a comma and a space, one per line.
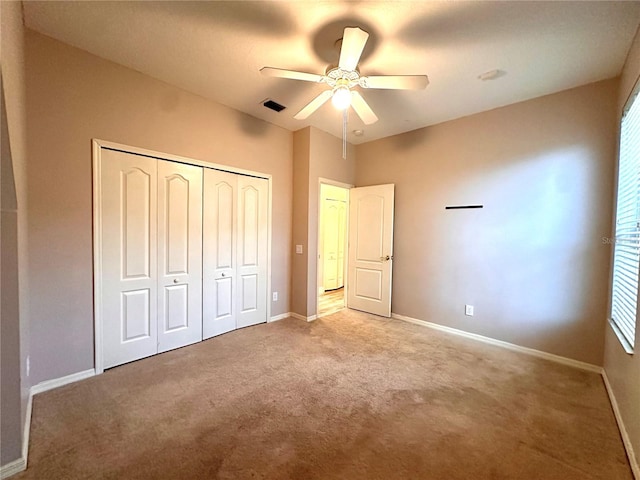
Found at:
[339, 77]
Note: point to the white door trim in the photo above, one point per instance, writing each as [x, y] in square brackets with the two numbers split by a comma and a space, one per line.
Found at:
[335, 183]
[97, 146]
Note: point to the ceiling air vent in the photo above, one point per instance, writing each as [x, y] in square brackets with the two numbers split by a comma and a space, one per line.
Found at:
[275, 106]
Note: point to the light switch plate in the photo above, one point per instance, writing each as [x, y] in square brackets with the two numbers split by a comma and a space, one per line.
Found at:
[299, 249]
[468, 310]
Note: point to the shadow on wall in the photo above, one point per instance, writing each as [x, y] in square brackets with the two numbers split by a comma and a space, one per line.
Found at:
[410, 140]
[169, 100]
[251, 125]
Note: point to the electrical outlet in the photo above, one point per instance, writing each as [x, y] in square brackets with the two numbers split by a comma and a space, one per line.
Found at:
[468, 310]
[275, 296]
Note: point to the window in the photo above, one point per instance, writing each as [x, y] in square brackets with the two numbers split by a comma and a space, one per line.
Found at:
[626, 257]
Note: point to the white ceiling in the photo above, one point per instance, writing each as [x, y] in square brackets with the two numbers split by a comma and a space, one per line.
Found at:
[215, 49]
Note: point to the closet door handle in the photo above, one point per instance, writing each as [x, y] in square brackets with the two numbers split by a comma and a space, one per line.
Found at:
[223, 274]
[175, 280]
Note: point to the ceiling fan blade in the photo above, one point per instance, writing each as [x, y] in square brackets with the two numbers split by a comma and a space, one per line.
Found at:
[291, 74]
[362, 108]
[353, 42]
[396, 82]
[313, 105]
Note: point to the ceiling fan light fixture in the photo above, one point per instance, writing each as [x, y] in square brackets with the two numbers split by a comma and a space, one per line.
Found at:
[344, 77]
[341, 98]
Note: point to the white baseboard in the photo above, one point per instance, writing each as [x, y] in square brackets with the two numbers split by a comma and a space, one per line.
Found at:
[282, 316]
[499, 343]
[27, 429]
[21, 463]
[59, 382]
[12, 468]
[633, 461]
[302, 317]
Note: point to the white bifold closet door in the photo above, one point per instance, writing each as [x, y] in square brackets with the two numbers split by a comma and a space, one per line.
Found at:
[151, 237]
[234, 251]
[179, 255]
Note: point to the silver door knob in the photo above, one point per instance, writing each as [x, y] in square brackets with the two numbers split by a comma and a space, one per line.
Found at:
[385, 259]
[223, 274]
[175, 280]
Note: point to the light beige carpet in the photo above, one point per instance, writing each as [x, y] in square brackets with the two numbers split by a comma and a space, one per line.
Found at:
[350, 396]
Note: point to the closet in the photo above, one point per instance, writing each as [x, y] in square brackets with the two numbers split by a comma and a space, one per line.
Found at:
[235, 231]
[182, 254]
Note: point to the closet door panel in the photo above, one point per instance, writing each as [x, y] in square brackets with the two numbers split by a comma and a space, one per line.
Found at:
[129, 274]
[252, 250]
[219, 252]
[179, 255]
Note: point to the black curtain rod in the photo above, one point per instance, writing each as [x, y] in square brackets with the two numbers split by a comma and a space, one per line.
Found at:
[458, 207]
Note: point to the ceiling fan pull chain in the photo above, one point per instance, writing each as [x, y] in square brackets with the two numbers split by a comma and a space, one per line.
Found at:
[344, 134]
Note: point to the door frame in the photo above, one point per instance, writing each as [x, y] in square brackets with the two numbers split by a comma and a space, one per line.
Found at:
[97, 145]
[347, 186]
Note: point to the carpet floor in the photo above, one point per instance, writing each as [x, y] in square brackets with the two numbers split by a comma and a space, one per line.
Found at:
[349, 396]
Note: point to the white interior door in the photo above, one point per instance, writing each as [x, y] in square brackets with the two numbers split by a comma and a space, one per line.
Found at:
[371, 249]
[129, 268]
[179, 255]
[219, 252]
[252, 221]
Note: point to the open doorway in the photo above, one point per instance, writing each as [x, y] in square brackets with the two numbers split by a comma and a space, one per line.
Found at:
[332, 247]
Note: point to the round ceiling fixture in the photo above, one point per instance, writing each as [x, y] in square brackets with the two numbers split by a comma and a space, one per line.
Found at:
[341, 97]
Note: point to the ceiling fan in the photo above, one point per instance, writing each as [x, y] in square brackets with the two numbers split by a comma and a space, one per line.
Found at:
[343, 78]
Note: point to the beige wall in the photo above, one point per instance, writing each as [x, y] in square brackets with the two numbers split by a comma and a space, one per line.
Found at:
[326, 162]
[532, 261]
[74, 97]
[623, 370]
[317, 155]
[301, 150]
[10, 425]
[15, 318]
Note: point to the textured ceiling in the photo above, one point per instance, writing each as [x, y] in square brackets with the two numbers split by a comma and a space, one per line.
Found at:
[215, 49]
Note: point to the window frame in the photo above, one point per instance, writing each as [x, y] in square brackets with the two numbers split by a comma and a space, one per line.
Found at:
[627, 343]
